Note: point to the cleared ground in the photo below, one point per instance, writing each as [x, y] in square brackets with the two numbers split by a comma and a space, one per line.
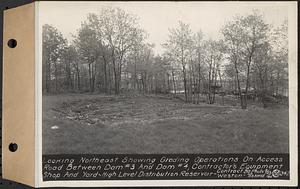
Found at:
[78, 124]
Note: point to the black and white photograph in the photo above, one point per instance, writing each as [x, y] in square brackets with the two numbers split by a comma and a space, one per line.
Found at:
[168, 91]
[165, 77]
[150, 94]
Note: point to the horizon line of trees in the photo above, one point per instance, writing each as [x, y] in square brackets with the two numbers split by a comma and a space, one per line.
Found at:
[109, 54]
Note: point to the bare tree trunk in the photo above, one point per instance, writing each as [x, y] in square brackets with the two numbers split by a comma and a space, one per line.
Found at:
[78, 77]
[238, 83]
[214, 81]
[184, 83]
[221, 81]
[90, 77]
[209, 81]
[169, 83]
[120, 77]
[174, 83]
[115, 72]
[116, 79]
[247, 77]
[48, 76]
[110, 80]
[105, 73]
[199, 83]
[56, 75]
[94, 71]
[194, 87]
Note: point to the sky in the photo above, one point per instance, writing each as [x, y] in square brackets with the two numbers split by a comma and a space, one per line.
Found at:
[158, 17]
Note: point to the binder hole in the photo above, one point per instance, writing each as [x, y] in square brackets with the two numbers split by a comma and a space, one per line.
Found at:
[13, 147]
[12, 43]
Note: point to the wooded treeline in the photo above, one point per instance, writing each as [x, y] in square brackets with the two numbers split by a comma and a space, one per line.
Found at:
[110, 54]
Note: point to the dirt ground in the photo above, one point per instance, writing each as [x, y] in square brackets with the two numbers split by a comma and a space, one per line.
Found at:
[103, 124]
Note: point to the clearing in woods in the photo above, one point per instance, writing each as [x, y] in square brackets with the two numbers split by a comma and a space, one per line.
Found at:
[103, 124]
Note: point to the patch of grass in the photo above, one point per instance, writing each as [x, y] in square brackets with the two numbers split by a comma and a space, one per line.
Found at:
[103, 124]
